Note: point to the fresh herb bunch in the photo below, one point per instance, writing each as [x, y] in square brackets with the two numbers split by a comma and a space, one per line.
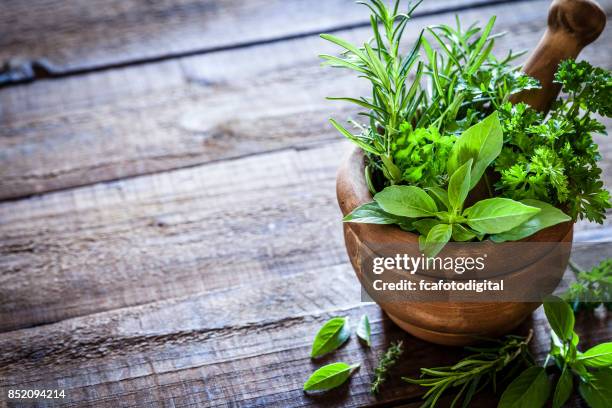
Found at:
[388, 360]
[439, 214]
[531, 387]
[592, 369]
[430, 105]
[476, 371]
[467, 83]
[554, 159]
[592, 289]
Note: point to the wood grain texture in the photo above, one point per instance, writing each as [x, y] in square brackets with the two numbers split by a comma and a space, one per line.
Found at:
[167, 235]
[46, 38]
[137, 120]
[242, 346]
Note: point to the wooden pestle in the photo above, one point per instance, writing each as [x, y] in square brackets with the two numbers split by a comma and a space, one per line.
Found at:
[572, 25]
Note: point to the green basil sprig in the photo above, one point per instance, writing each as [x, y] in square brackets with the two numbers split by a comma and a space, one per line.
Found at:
[593, 368]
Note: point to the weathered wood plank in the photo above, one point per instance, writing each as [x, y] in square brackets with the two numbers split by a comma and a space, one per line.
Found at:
[44, 38]
[131, 121]
[245, 346]
[168, 234]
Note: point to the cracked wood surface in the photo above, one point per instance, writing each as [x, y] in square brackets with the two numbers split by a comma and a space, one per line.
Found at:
[143, 119]
[202, 279]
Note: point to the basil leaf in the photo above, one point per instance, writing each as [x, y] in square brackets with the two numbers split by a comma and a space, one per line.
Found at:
[598, 392]
[495, 215]
[331, 336]
[363, 330]
[563, 389]
[425, 225]
[598, 356]
[547, 217]
[329, 376]
[371, 213]
[560, 317]
[439, 194]
[528, 390]
[459, 186]
[437, 238]
[482, 143]
[462, 234]
[406, 201]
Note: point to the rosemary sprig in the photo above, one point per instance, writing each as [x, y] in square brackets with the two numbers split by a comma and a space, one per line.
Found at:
[475, 372]
[388, 360]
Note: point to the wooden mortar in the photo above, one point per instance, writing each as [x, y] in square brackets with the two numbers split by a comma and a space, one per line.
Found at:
[572, 24]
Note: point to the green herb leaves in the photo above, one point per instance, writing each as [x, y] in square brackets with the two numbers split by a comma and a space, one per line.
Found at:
[329, 376]
[496, 215]
[363, 330]
[459, 186]
[597, 392]
[598, 356]
[331, 336]
[406, 201]
[482, 143]
[564, 387]
[438, 214]
[547, 217]
[528, 390]
[437, 237]
[560, 317]
[593, 288]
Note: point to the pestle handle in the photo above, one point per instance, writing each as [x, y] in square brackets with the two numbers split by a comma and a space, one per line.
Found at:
[572, 25]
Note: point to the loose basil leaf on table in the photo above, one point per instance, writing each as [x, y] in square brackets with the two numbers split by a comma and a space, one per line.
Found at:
[528, 390]
[364, 331]
[329, 376]
[331, 336]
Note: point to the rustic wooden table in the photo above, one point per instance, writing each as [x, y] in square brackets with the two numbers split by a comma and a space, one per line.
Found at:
[169, 230]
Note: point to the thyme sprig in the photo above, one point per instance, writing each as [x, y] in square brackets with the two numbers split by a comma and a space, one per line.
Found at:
[475, 372]
[388, 360]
